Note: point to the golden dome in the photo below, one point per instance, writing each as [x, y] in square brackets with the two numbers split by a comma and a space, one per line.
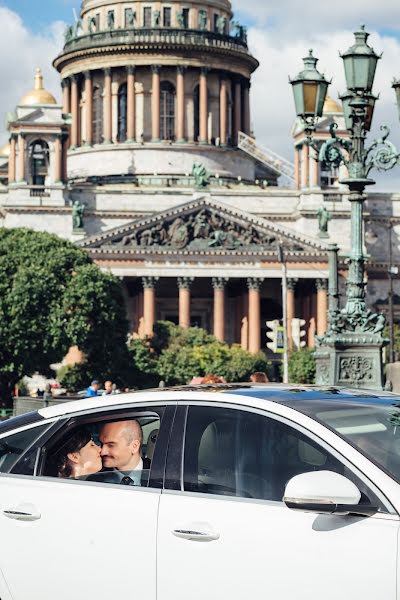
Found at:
[331, 106]
[5, 150]
[38, 95]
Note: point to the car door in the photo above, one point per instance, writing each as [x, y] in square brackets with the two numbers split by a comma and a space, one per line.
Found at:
[65, 538]
[224, 531]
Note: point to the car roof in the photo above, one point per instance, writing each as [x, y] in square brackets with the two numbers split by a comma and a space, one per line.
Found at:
[281, 393]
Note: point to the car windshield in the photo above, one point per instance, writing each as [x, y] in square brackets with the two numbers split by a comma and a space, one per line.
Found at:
[372, 426]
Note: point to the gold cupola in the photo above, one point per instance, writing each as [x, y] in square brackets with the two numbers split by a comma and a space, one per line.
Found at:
[38, 95]
[331, 106]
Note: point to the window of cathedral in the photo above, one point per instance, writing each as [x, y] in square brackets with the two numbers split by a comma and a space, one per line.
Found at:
[147, 23]
[122, 112]
[167, 16]
[97, 115]
[215, 23]
[38, 162]
[167, 111]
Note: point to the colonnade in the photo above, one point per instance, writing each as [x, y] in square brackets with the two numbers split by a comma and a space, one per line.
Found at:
[229, 86]
[251, 324]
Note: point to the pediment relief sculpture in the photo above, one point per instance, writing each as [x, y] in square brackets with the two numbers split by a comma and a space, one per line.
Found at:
[205, 229]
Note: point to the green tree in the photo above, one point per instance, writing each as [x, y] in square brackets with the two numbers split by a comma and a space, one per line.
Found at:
[175, 355]
[302, 366]
[51, 297]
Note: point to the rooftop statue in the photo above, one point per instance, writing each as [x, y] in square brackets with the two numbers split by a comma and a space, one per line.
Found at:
[91, 25]
[130, 17]
[180, 18]
[221, 25]
[157, 18]
[241, 31]
[78, 210]
[203, 20]
[201, 175]
[72, 31]
[324, 216]
[110, 19]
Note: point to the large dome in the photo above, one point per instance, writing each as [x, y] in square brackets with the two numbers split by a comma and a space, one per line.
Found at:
[91, 4]
[38, 95]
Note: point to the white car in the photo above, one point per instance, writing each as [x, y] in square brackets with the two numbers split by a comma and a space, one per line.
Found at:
[250, 491]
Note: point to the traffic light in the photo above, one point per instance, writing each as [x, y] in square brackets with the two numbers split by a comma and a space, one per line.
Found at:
[298, 333]
[277, 337]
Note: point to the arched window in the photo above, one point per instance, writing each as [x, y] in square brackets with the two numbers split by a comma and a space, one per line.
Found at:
[97, 115]
[122, 112]
[167, 111]
[38, 162]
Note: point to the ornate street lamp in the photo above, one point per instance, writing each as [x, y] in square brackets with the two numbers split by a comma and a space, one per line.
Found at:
[309, 90]
[350, 353]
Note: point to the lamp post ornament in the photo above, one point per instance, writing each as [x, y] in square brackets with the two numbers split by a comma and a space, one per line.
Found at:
[350, 352]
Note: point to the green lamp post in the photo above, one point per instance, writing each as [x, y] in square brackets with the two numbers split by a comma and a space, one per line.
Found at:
[350, 352]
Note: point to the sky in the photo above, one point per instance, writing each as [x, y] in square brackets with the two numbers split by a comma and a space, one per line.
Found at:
[280, 34]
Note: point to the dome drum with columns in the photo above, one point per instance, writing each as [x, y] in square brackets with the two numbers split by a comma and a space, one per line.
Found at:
[176, 89]
[153, 143]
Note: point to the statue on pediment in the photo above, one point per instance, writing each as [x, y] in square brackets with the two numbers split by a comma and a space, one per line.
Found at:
[201, 175]
[324, 216]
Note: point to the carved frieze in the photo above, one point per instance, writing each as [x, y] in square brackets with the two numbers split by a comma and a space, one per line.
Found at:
[201, 230]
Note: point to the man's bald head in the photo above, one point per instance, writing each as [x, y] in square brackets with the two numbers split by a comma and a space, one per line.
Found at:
[121, 443]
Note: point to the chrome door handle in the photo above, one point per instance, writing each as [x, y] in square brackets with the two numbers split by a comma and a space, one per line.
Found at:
[196, 536]
[23, 512]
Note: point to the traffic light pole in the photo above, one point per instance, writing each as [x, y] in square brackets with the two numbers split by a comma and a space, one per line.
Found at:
[285, 323]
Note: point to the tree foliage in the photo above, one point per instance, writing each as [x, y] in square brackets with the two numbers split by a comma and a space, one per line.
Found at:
[52, 297]
[175, 355]
[302, 366]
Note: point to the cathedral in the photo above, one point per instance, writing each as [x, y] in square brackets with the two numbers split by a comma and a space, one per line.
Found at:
[151, 164]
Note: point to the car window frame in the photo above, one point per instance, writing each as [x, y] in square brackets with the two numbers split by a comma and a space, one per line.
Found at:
[158, 464]
[174, 478]
[52, 425]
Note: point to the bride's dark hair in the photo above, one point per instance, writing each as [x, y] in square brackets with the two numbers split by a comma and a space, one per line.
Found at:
[76, 442]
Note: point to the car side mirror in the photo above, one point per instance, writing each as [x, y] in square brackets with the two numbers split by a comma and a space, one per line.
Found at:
[325, 492]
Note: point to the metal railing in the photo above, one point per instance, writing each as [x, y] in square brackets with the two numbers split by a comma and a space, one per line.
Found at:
[267, 157]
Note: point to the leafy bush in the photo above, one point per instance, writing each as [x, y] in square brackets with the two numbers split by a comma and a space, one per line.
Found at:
[302, 366]
[175, 355]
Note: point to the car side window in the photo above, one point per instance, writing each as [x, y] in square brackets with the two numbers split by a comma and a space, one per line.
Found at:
[238, 453]
[13, 446]
[105, 449]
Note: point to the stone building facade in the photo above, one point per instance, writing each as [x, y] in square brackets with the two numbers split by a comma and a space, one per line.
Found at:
[151, 165]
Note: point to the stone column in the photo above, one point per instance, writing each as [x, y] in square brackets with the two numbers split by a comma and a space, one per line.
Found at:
[89, 108]
[238, 110]
[290, 308]
[131, 108]
[246, 108]
[297, 174]
[58, 171]
[322, 306]
[21, 158]
[203, 137]
[107, 125]
[223, 108]
[305, 175]
[149, 304]
[66, 86]
[12, 160]
[219, 284]
[314, 168]
[155, 104]
[254, 284]
[180, 104]
[75, 112]
[184, 284]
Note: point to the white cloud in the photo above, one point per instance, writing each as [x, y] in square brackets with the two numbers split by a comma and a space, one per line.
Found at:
[22, 52]
[290, 19]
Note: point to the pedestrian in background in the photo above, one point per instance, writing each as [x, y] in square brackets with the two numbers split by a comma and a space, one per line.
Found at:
[93, 389]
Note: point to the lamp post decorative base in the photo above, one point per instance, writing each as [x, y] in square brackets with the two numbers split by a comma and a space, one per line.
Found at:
[351, 360]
